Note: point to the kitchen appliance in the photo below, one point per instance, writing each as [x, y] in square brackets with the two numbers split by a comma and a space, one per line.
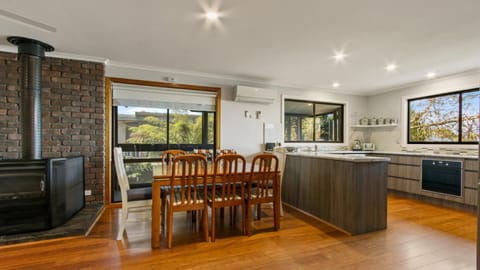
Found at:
[357, 146]
[442, 176]
[269, 146]
[368, 146]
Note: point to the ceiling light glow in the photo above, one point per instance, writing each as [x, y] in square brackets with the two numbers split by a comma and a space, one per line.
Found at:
[431, 75]
[212, 15]
[391, 67]
[339, 56]
[335, 84]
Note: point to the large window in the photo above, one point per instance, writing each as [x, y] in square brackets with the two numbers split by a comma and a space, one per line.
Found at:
[150, 117]
[307, 121]
[444, 119]
[157, 129]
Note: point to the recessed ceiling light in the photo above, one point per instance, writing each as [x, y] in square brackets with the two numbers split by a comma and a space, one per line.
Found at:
[339, 56]
[431, 75]
[391, 67]
[335, 84]
[212, 15]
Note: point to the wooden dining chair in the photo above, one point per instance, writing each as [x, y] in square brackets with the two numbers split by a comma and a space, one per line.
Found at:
[262, 188]
[229, 182]
[207, 153]
[188, 190]
[167, 158]
[169, 155]
[131, 200]
[281, 154]
[221, 152]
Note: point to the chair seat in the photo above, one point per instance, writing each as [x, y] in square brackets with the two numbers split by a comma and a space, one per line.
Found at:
[177, 199]
[138, 194]
[254, 194]
[220, 198]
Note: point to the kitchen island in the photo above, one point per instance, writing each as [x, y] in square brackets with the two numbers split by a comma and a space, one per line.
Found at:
[346, 191]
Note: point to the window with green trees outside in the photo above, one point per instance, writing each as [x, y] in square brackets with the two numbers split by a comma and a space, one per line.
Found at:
[312, 121]
[450, 118]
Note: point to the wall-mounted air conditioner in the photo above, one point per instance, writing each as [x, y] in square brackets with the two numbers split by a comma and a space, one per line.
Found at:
[253, 94]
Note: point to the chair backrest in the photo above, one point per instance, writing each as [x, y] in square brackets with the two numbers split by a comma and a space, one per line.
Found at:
[207, 153]
[189, 179]
[281, 154]
[169, 155]
[221, 152]
[263, 175]
[121, 173]
[229, 172]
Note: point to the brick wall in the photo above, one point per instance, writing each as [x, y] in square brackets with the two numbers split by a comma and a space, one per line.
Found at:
[73, 117]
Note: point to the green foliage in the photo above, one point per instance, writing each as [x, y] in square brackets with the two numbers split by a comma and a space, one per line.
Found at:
[139, 172]
[151, 131]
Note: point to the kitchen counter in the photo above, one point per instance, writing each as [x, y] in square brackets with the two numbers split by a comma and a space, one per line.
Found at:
[346, 191]
[404, 153]
[341, 156]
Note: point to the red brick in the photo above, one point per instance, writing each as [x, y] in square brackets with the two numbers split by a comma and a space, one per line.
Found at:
[73, 100]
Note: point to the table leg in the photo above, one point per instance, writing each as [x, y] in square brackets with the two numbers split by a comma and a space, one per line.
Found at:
[156, 209]
[276, 204]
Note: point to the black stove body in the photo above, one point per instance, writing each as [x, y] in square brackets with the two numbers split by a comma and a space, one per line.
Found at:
[39, 194]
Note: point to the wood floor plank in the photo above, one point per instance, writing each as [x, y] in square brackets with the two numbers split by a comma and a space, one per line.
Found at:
[418, 236]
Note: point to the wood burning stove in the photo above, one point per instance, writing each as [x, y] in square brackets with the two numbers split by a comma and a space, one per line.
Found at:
[39, 194]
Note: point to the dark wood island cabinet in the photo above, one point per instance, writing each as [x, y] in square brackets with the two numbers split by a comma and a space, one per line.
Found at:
[348, 192]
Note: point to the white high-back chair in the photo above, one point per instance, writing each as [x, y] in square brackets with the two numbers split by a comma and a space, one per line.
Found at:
[281, 154]
[129, 202]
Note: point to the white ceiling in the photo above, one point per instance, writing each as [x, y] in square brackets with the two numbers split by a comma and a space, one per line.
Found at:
[277, 42]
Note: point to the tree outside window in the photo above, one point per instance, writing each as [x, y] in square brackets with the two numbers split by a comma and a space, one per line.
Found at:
[451, 118]
[308, 121]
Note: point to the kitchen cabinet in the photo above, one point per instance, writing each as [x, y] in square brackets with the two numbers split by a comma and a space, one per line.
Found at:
[405, 173]
[347, 192]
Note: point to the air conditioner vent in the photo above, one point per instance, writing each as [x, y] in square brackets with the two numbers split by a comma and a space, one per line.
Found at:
[254, 95]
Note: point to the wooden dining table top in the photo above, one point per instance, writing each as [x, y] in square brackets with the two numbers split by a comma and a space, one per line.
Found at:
[162, 173]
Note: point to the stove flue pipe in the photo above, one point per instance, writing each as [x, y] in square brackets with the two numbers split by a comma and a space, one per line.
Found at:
[30, 55]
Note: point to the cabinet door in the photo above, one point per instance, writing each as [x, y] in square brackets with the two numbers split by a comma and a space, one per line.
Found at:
[291, 179]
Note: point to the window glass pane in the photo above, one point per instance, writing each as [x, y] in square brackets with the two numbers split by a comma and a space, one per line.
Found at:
[137, 125]
[325, 128]
[329, 122]
[434, 119]
[211, 127]
[185, 127]
[470, 115]
[313, 122]
[139, 173]
[291, 124]
[306, 129]
[299, 121]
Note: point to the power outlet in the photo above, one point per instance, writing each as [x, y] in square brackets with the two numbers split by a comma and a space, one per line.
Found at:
[88, 192]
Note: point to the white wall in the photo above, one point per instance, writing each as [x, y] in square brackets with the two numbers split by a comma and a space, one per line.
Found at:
[390, 105]
[246, 134]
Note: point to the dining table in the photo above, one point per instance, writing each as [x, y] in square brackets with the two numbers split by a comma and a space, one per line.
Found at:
[162, 176]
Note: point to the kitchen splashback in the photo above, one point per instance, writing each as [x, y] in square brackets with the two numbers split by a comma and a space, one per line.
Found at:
[442, 150]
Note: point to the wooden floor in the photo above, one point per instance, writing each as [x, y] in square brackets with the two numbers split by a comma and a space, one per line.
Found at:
[419, 236]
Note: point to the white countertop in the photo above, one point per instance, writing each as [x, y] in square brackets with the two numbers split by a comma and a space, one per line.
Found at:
[353, 157]
[405, 153]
